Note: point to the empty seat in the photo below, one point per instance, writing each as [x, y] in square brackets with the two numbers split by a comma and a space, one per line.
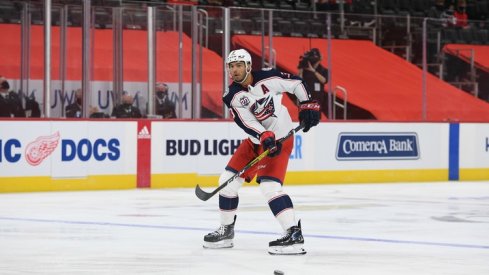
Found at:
[247, 25]
[236, 27]
[483, 36]
[362, 7]
[404, 7]
[284, 27]
[318, 29]
[467, 37]
[299, 29]
[389, 7]
[419, 7]
[449, 36]
[482, 8]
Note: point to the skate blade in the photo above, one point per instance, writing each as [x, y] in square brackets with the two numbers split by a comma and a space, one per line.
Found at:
[295, 249]
[218, 245]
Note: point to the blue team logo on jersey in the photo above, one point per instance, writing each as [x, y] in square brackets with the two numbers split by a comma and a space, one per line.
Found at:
[263, 108]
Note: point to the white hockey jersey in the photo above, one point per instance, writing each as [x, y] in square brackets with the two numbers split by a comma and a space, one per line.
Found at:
[259, 107]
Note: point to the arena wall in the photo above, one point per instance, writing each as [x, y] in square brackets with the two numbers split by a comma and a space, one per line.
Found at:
[63, 154]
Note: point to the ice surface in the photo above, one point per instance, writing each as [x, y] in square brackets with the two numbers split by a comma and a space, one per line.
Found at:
[401, 228]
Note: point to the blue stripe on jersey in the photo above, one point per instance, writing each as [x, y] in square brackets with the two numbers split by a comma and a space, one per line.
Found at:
[241, 125]
[267, 73]
[231, 169]
[280, 203]
[228, 204]
[259, 179]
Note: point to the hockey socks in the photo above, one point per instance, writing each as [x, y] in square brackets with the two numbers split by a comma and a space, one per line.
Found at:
[283, 209]
[228, 207]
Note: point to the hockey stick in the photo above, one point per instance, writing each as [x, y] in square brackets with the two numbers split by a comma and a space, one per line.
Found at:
[201, 194]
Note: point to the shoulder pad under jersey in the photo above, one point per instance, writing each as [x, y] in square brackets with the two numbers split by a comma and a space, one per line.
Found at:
[233, 89]
[270, 72]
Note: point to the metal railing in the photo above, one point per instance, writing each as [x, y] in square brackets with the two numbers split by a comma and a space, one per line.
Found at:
[338, 104]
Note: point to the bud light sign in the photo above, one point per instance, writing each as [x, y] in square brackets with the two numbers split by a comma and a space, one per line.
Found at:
[377, 146]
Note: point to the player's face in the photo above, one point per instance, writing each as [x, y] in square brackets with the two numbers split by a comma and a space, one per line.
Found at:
[237, 71]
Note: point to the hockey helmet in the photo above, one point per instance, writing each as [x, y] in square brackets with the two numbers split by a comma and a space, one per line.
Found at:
[239, 55]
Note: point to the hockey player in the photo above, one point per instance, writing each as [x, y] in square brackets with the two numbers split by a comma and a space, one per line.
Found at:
[255, 102]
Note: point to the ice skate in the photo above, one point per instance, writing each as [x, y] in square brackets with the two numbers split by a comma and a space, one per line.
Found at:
[221, 238]
[290, 244]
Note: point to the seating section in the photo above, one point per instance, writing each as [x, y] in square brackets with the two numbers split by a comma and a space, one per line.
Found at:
[386, 93]
[481, 54]
[135, 67]
[291, 19]
[476, 9]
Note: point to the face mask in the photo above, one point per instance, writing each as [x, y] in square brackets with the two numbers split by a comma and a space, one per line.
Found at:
[461, 9]
[79, 101]
[160, 94]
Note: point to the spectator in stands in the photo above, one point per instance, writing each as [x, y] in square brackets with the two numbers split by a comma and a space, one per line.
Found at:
[32, 108]
[332, 5]
[314, 75]
[441, 11]
[10, 102]
[322, 5]
[449, 17]
[75, 110]
[437, 10]
[164, 106]
[461, 15]
[126, 110]
[184, 2]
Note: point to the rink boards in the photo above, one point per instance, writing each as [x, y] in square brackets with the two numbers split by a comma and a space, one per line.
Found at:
[117, 154]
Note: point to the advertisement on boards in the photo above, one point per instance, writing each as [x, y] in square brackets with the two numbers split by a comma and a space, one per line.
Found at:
[202, 148]
[67, 149]
[374, 146]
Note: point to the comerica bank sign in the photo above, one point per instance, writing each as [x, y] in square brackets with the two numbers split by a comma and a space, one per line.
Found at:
[377, 146]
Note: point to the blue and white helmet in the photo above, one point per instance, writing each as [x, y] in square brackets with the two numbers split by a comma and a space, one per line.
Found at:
[239, 55]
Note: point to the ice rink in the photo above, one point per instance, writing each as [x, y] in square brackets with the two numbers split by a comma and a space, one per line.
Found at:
[412, 228]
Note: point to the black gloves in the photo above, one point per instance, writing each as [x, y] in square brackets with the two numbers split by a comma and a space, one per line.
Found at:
[267, 140]
[309, 114]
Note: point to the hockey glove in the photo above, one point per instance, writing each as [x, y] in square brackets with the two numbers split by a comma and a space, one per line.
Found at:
[309, 114]
[267, 140]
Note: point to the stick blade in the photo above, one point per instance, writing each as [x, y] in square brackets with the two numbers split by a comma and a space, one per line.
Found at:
[201, 194]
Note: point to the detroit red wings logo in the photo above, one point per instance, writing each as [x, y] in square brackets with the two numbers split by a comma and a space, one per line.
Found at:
[41, 148]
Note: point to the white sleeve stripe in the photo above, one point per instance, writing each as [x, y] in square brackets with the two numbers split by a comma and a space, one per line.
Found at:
[273, 77]
[306, 94]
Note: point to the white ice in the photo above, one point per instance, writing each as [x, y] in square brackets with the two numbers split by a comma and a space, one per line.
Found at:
[401, 228]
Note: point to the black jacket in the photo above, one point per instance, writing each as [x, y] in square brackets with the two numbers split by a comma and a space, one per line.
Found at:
[126, 111]
[73, 110]
[312, 82]
[11, 105]
[165, 107]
